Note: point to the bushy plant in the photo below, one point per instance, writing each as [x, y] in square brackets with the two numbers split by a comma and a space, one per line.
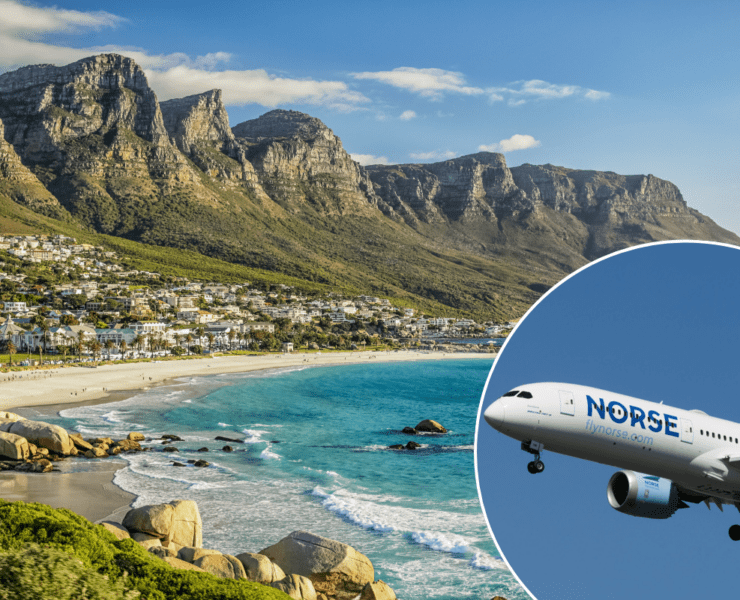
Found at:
[34, 572]
[123, 562]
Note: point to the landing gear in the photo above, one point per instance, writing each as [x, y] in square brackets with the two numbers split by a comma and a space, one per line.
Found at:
[536, 466]
[735, 533]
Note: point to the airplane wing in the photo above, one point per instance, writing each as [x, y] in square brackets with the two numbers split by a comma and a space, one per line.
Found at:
[732, 461]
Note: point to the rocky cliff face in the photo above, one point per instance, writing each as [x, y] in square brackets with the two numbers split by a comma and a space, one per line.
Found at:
[299, 162]
[44, 105]
[199, 126]
[469, 187]
[21, 185]
[94, 135]
[536, 207]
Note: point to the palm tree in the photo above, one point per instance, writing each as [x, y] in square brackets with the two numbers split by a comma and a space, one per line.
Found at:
[232, 337]
[45, 330]
[12, 349]
[64, 349]
[95, 347]
[109, 345]
[210, 337]
[80, 343]
[124, 347]
[189, 340]
[139, 341]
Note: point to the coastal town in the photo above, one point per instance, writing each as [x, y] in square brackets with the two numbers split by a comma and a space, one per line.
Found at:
[62, 299]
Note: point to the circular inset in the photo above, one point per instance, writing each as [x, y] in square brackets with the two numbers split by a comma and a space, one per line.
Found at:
[605, 368]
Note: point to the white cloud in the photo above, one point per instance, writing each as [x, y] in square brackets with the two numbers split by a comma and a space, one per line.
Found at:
[434, 155]
[171, 75]
[520, 92]
[407, 115]
[255, 86]
[369, 159]
[430, 83]
[596, 95]
[17, 17]
[515, 142]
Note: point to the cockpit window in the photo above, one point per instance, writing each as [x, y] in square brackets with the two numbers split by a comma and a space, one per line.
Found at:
[511, 393]
[524, 395]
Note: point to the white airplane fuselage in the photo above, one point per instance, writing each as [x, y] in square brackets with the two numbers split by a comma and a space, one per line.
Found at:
[694, 450]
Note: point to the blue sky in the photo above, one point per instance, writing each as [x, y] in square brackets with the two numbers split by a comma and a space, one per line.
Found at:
[661, 323]
[631, 87]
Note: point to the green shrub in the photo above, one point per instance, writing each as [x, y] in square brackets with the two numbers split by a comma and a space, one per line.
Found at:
[34, 572]
[124, 563]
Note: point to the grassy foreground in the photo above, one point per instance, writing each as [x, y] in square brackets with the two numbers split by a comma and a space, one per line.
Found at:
[54, 554]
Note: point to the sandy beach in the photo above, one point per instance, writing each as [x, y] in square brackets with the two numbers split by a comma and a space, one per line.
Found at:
[90, 491]
[76, 384]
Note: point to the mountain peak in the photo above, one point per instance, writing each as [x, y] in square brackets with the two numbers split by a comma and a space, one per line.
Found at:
[197, 118]
[281, 123]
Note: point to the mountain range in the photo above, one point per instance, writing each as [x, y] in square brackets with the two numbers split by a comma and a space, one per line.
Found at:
[89, 144]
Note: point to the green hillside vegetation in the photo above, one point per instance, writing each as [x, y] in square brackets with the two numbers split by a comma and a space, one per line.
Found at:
[354, 256]
[54, 554]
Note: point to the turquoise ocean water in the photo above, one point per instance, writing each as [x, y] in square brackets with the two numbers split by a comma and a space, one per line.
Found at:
[315, 457]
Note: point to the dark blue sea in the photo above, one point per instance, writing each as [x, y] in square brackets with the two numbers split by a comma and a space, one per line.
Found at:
[315, 457]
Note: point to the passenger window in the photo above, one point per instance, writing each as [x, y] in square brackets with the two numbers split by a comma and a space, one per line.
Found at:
[725, 438]
[524, 395]
[713, 434]
[511, 393]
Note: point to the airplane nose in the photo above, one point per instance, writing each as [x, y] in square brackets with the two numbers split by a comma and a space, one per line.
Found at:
[495, 415]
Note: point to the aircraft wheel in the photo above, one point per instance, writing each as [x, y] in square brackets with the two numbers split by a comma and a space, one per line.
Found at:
[539, 466]
[735, 533]
[531, 468]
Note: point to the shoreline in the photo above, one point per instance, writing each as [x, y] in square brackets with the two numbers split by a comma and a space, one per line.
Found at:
[90, 490]
[71, 385]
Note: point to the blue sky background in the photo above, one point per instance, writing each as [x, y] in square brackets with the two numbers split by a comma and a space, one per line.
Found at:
[661, 323]
[631, 87]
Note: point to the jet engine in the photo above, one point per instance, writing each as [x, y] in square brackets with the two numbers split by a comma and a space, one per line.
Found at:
[643, 495]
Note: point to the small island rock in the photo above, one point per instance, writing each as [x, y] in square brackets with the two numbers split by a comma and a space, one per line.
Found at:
[428, 425]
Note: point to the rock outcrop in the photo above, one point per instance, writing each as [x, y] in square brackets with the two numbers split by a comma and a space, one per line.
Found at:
[45, 435]
[94, 134]
[221, 565]
[13, 446]
[548, 209]
[21, 185]
[334, 568]
[303, 565]
[296, 586]
[430, 426]
[199, 126]
[178, 522]
[378, 590]
[259, 568]
[301, 163]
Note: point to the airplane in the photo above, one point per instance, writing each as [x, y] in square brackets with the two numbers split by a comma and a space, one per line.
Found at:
[668, 456]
